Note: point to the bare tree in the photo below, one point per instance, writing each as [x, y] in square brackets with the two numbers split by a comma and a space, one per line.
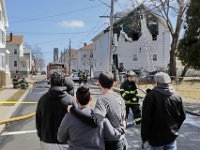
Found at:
[173, 12]
[38, 58]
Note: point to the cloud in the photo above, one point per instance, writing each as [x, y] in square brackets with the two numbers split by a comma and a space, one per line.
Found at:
[72, 24]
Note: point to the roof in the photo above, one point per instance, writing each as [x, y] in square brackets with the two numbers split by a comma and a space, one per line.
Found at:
[15, 39]
[87, 47]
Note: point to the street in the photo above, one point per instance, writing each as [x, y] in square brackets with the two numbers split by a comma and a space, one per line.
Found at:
[22, 134]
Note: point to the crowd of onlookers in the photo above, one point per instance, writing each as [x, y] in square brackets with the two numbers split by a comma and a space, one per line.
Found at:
[65, 121]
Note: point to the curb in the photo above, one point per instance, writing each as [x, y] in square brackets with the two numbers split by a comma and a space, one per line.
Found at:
[14, 108]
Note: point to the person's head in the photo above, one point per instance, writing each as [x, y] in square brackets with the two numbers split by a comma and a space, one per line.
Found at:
[106, 80]
[69, 85]
[162, 78]
[130, 75]
[83, 96]
[57, 79]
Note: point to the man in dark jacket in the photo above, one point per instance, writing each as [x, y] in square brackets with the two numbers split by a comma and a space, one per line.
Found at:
[50, 111]
[162, 115]
[128, 91]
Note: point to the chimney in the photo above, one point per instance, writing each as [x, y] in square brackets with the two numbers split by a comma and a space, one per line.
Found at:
[11, 37]
[85, 44]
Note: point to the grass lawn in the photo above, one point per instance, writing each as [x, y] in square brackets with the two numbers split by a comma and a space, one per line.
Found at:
[189, 90]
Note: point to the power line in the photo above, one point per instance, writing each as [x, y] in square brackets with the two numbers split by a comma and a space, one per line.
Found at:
[49, 33]
[92, 28]
[55, 15]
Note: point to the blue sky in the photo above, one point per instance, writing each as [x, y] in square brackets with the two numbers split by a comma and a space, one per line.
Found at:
[50, 23]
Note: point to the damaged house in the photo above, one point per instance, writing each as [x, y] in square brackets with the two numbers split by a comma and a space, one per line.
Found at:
[141, 41]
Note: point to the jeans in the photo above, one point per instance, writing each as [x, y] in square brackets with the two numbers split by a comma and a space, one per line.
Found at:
[116, 145]
[171, 146]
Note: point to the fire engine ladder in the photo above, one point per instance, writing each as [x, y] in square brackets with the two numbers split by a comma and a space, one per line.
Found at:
[147, 43]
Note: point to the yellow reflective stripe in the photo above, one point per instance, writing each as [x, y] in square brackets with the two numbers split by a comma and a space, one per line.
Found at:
[130, 102]
[122, 90]
[134, 99]
[123, 94]
[130, 92]
[137, 119]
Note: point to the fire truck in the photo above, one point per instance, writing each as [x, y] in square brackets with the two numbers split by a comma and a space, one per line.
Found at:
[55, 67]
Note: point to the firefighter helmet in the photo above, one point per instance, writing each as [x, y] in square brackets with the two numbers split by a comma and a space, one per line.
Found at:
[130, 73]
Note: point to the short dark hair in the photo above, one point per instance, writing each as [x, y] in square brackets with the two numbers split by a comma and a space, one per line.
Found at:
[83, 95]
[57, 79]
[106, 79]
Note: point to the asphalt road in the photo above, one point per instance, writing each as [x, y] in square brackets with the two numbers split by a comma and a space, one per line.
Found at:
[22, 136]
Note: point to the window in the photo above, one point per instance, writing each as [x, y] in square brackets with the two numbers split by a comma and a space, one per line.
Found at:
[15, 63]
[15, 51]
[91, 55]
[155, 57]
[1, 15]
[3, 37]
[84, 55]
[135, 58]
[3, 61]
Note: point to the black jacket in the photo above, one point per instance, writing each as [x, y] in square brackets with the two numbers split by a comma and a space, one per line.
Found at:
[162, 116]
[128, 91]
[50, 111]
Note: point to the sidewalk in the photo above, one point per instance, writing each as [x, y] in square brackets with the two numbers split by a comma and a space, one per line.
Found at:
[6, 112]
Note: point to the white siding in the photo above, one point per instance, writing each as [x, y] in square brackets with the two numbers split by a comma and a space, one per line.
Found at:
[126, 51]
[84, 59]
[101, 55]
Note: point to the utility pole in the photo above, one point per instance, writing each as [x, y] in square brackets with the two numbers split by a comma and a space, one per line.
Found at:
[64, 56]
[111, 34]
[69, 56]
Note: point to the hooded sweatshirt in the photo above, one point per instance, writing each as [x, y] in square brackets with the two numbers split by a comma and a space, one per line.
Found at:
[50, 111]
[162, 116]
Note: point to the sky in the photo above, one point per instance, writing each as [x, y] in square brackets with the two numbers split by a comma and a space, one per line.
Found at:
[49, 24]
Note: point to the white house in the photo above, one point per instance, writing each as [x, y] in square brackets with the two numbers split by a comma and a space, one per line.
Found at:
[72, 59]
[4, 53]
[15, 45]
[141, 42]
[28, 60]
[85, 57]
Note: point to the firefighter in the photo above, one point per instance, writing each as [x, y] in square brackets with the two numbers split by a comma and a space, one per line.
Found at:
[85, 76]
[23, 83]
[128, 91]
[80, 75]
[15, 82]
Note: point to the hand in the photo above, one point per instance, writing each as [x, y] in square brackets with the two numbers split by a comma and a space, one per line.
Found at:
[148, 90]
[145, 144]
[69, 108]
[123, 120]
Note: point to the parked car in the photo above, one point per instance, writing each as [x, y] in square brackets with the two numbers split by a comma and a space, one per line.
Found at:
[75, 76]
[43, 72]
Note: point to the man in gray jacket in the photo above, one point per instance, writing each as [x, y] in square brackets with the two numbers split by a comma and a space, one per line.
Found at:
[80, 135]
[109, 105]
